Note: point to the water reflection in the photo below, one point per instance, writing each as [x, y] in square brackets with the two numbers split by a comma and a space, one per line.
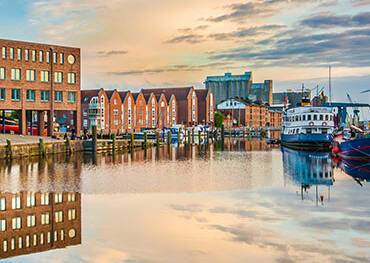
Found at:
[32, 222]
[358, 170]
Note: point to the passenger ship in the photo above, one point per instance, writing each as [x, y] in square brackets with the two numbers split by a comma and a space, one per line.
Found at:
[308, 127]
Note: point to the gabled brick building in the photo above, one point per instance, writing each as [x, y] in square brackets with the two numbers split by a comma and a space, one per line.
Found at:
[205, 106]
[128, 111]
[115, 111]
[140, 111]
[151, 109]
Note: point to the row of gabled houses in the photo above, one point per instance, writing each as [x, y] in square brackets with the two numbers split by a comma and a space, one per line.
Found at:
[125, 111]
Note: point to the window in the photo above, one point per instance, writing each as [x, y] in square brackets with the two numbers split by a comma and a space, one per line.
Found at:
[72, 96]
[58, 77]
[34, 240]
[31, 220]
[62, 234]
[28, 241]
[71, 197]
[30, 75]
[45, 218]
[31, 199]
[58, 216]
[3, 52]
[71, 78]
[41, 238]
[2, 73]
[16, 201]
[12, 243]
[2, 204]
[47, 56]
[321, 117]
[315, 117]
[61, 58]
[44, 76]
[85, 123]
[30, 95]
[2, 225]
[19, 54]
[71, 214]
[16, 223]
[15, 74]
[26, 54]
[45, 94]
[309, 117]
[41, 56]
[20, 242]
[44, 198]
[326, 117]
[58, 198]
[16, 94]
[5, 245]
[11, 53]
[49, 237]
[55, 58]
[33, 54]
[55, 235]
[58, 96]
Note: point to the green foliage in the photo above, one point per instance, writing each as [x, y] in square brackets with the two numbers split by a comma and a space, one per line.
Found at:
[219, 119]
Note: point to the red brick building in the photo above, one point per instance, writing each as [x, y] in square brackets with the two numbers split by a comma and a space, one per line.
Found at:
[140, 111]
[38, 81]
[115, 111]
[256, 116]
[205, 106]
[151, 109]
[128, 111]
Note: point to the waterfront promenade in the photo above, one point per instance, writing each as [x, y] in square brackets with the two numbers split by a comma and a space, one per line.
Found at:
[26, 139]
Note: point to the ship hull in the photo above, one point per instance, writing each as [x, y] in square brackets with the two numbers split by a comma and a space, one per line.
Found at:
[357, 149]
[307, 141]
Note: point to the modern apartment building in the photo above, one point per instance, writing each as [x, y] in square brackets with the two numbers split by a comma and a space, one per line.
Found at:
[39, 87]
[35, 222]
[231, 86]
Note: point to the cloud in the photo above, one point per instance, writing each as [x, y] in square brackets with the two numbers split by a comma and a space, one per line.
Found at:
[246, 32]
[112, 52]
[330, 20]
[187, 38]
[174, 68]
[349, 48]
[360, 2]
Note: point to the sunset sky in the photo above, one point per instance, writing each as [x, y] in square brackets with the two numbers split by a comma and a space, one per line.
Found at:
[130, 44]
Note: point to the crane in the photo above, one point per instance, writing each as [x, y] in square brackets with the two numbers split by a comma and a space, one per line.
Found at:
[356, 111]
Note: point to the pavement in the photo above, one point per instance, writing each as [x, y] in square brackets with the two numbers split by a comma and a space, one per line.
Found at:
[20, 139]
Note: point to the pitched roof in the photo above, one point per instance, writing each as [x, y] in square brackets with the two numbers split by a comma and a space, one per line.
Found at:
[123, 94]
[86, 95]
[201, 94]
[181, 93]
[135, 95]
[109, 93]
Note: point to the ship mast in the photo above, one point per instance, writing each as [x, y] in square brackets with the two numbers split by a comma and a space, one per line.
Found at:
[330, 85]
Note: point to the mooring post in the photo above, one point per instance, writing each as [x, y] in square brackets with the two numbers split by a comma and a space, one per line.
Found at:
[41, 147]
[192, 135]
[132, 140]
[179, 137]
[68, 145]
[207, 136]
[113, 142]
[169, 137]
[8, 151]
[199, 136]
[145, 140]
[189, 135]
[94, 139]
[157, 137]
[222, 133]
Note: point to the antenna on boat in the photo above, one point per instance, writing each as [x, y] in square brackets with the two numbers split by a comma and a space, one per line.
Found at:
[330, 84]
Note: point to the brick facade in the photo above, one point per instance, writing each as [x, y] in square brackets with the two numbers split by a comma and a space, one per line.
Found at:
[140, 111]
[36, 71]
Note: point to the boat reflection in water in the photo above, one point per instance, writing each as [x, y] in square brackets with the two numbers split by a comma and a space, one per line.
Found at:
[358, 170]
[308, 169]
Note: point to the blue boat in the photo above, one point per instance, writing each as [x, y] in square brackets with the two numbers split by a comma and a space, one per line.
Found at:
[308, 128]
[359, 170]
[355, 149]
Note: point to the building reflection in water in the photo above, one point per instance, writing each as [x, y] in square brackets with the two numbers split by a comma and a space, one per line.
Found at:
[35, 222]
[308, 169]
[40, 205]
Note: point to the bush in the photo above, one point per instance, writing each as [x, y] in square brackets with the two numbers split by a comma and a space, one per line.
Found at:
[219, 119]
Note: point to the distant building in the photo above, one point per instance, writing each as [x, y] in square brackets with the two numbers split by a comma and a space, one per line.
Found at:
[239, 86]
[289, 98]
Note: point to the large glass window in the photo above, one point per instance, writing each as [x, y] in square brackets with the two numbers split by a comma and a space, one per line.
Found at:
[55, 58]
[61, 58]
[26, 54]
[58, 96]
[16, 201]
[71, 78]
[30, 75]
[16, 222]
[2, 225]
[58, 216]
[31, 199]
[71, 214]
[16, 94]
[2, 204]
[58, 198]
[45, 95]
[41, 56]
[47, 56]
[44, 198]
[31, 220]
[16, 74]
[45, 218]
[33, 55]
[2, 73]
[31, 96]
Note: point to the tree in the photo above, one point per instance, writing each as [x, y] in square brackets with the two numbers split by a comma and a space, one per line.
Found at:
[219, 119]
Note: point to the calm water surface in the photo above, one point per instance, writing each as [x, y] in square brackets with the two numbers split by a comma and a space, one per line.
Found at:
[243, 202]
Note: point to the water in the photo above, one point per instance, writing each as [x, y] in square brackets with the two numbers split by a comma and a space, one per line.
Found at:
[241, 202]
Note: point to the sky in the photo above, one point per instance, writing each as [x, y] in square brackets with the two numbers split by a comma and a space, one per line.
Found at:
[132, 44]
